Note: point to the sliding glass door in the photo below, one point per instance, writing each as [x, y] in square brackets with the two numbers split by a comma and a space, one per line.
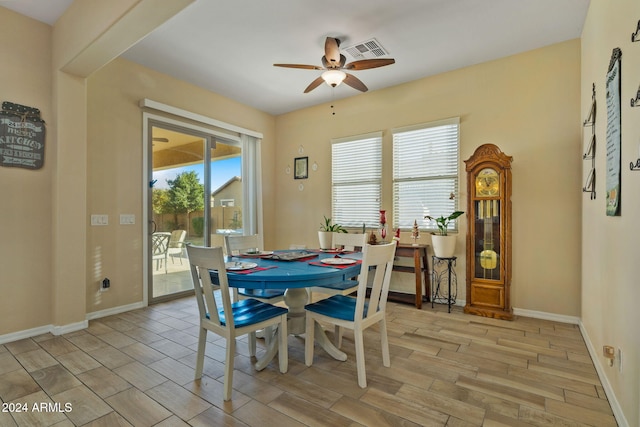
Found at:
[195, 197]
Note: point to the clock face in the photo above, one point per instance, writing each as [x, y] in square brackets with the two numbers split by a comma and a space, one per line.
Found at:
[487, 183]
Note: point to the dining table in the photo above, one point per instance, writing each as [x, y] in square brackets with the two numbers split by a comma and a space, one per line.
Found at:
[294, 271]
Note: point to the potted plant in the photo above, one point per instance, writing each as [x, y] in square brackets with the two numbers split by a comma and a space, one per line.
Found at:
[325, 235]
[444, 245]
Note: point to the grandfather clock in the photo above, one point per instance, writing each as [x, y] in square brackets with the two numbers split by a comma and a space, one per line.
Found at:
[489, 233]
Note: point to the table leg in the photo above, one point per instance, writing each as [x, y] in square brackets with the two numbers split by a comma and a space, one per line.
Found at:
[272, 351]
[427, 275]
[418, 269]
[296, 299]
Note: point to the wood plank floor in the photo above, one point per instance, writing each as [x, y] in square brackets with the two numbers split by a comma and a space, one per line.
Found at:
[447, 369]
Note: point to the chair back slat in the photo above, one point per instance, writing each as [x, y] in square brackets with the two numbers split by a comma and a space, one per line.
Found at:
[376, 260]
[202, 260]
[236, 244]
[349, 241]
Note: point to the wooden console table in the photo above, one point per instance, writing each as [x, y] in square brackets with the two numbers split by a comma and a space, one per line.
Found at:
[420, 265]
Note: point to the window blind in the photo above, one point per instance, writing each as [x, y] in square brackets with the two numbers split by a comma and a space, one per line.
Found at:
[425, 173]
[356, 176]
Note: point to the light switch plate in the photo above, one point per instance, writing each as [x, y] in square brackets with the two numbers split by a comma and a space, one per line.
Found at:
[99, 219]
[127, 219]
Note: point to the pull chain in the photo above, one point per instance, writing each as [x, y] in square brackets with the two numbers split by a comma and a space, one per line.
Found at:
[333, 112]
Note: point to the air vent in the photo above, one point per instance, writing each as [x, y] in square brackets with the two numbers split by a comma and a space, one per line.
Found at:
[369, 49]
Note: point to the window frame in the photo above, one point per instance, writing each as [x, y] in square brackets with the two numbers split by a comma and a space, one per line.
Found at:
[341, 210]
[448, 183]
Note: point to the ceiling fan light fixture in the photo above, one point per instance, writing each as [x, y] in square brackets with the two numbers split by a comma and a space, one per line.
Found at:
[334, 77]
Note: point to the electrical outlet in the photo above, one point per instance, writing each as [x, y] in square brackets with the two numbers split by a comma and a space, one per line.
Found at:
[105, 285]
[609, 353]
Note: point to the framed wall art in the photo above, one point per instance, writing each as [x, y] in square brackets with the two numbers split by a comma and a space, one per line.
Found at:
[301, 168]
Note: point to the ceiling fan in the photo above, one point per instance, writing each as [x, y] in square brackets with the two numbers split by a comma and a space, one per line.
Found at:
[333, 63]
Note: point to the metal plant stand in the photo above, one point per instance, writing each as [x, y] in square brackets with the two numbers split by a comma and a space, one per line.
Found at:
[443, 270]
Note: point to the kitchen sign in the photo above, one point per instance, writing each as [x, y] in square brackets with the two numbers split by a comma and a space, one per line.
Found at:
[22, 133]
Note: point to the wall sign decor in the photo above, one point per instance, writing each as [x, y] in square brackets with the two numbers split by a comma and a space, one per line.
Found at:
[301, 168]
[22, 133]
[614, 137]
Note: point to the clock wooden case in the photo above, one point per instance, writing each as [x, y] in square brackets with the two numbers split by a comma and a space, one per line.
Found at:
[489, 233]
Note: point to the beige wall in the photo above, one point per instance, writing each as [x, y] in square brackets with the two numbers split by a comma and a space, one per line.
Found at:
[527, 104]
[25, 211]
[530, 105]
[115, 183]
[610, 289]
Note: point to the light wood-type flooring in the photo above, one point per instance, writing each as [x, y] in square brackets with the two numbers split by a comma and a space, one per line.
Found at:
[447, 369]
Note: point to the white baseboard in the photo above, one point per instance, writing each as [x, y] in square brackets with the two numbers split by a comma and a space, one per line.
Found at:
[115, 310]
[41, 330]
[27, 333]
[613, 401]
[546, 316]
[71, 327]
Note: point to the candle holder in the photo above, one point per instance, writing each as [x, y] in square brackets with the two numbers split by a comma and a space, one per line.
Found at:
[383, 225]
[415, 233]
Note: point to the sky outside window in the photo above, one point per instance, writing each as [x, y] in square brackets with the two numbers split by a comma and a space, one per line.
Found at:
[221, 172]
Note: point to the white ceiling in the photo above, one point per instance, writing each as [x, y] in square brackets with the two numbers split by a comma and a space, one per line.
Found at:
[43, 10]
[230, 46]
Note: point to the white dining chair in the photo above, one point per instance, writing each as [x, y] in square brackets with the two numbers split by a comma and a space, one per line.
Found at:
[358, 313]
[235, 245]
[232, 319]
[347, 242]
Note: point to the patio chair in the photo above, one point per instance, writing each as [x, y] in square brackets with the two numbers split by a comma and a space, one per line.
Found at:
[358, 313]
[176, 244]
[160, 248]
[232, 319]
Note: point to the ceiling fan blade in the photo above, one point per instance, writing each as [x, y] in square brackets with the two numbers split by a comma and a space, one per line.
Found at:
[366, 64]
[314, 84]
[303, 66]
[332, 51]
[355, 83]
[161, 139]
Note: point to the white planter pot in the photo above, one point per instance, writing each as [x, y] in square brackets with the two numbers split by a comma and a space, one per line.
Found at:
[326, 239]
[443, 246]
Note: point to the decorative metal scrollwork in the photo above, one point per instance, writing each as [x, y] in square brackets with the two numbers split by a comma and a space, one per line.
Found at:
[635, 102]
[590, 154]
[635, 36]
